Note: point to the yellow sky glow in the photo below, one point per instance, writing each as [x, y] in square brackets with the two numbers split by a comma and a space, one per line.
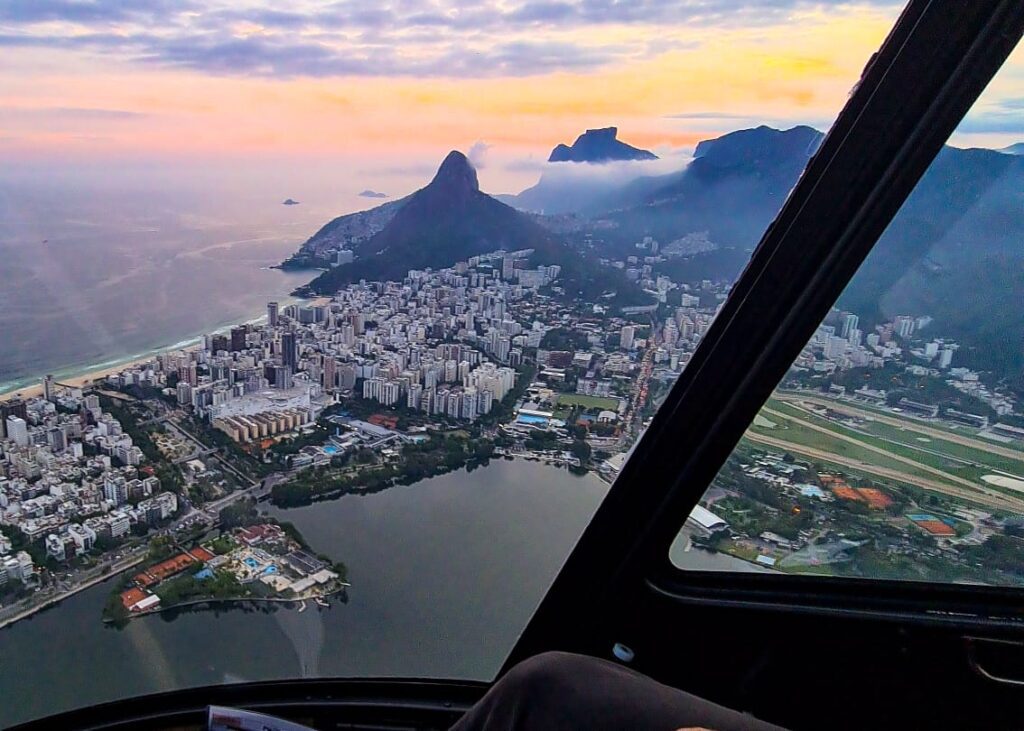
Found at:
[800, 71]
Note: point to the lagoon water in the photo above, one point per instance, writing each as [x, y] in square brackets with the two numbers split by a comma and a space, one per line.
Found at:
[445, 574]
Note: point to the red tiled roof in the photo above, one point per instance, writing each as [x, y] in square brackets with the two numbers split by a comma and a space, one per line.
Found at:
[382, 420]
[875, 498]
[255, 533]
[132, 597]
[936, 527]
[201, 554]
[847, 493]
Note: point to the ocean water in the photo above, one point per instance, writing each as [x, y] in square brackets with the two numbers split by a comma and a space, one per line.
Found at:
[96, 271]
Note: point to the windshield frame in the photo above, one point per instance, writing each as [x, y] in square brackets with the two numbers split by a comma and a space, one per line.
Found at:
[914, 92]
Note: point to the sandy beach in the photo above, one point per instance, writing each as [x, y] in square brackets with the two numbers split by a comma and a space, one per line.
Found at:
[84, 380]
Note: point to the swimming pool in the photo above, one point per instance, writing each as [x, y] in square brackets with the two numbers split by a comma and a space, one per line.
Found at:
[330, 449]
[531, 419]
[251, 562]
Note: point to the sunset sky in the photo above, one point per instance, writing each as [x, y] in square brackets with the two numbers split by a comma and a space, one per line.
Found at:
[372, 81]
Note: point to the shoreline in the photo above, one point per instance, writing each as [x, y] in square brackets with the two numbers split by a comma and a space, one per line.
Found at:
[87, 375]
[90, 378]
[54, 601]
[474, 463]
[231, 600]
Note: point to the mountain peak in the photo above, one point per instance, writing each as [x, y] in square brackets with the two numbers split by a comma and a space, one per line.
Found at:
[599, 145]
[447, 221]
[602, 133]
[456, 173]
[761, 145]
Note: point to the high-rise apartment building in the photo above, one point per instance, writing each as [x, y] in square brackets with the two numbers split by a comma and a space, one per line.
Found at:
[238, 338]
[17, 430]
[289, 351]
[626, 336]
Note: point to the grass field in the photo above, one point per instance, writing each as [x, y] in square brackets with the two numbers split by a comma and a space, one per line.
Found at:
[588, 402]
[793, 431]
[960, 451]
[911, 423]
[803, 429]
[928, 450]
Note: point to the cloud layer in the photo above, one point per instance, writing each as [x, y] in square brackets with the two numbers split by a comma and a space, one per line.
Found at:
[415, 38]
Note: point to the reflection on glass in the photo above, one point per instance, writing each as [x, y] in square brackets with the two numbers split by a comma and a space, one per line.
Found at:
[894, 447]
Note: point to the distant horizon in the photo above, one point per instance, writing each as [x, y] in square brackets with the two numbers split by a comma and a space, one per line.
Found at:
[394, 176]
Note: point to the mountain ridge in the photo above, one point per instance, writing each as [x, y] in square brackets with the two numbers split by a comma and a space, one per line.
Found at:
[961, 225]
[451, 219]
[599, 145]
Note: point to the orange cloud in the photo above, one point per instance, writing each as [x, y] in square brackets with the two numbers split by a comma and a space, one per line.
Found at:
[796, 71]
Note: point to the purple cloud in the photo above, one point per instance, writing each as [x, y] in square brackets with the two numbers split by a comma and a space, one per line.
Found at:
[421, 38]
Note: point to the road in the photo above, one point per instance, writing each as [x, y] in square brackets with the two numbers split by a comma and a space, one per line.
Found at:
[208, 515]
[256, 491]
[198, 453]
[55, 595]
[206, 449]
[632, 417]
[82, 580]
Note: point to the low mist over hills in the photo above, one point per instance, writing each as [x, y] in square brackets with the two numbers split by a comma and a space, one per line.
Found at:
[606, 163]
[962, 225]
[732, 189]
[599, 145]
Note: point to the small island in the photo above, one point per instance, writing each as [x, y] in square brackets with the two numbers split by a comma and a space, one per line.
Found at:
[255, 558]
[372, 194]
[289, 202]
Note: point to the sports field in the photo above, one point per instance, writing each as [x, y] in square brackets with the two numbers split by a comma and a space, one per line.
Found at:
[968, 457]
[588, 402]
[896, 449]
